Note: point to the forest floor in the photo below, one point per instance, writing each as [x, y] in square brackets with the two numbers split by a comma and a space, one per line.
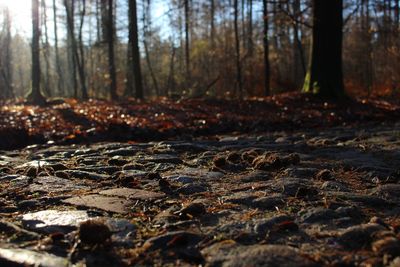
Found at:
[285, 181]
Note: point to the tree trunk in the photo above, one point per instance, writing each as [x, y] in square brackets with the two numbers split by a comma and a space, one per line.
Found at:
[237, 51]
[60, 79]
[133, 46]
[110, 45]
[267, 89]
[36, 96]
[187, 42]
[6, 58]
[146, 34]
[46, 52]
[325, 75]
[212, 24]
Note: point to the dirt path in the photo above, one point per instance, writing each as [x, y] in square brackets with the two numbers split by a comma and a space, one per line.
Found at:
[308, 198]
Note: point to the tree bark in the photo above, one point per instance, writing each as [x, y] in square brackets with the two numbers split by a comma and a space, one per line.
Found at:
[110, 45]
[60, 77]
[267, 89]
[187, 41]
[134, 58]
[325, 76]
[36, 96]
[237, 50]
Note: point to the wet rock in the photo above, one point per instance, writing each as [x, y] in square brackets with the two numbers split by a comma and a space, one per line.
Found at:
[131, 193]
[112, 204]
[122, 152]
[24, 257]
[359, 236]
[50, 221]
[257, 255]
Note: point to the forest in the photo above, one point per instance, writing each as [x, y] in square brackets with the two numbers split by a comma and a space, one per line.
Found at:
[229, 49]
[200, 133]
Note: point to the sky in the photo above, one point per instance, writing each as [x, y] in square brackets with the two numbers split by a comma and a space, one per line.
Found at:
[21, 14]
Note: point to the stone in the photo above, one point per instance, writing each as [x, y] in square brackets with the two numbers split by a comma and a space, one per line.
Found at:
[317, 215]
[173, 239]
[256, 255]
[388, 191]
[86, 175]
[254, 176]
[24, 257]
[190, 189]
[262, 226]
[359, 236]
[111, 204]
[387, 246]
[269, 202]
[49, 184]
[50, 221]
[131, 193]
[334, 186]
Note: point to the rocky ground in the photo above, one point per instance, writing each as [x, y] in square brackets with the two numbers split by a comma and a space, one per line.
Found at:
[309, 198]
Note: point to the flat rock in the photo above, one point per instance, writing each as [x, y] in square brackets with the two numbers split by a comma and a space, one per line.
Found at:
[50, 184]
[173, 239]
[317, 215]
[388, 191]
[132, 193]
[256, 255]
[24, 257]
[264, 225]
[111, 204]
[359, 236]
[50, 221]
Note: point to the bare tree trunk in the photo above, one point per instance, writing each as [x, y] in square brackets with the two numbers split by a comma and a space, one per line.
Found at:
[36, 96]
[237, 51]
[212, 24]
[6, 62]
[47, 78]
[187, 41]
[76, 60]
[110, 45]
[325, 76]
[267, 89]
[146, 31]
[81, 55]
[133, 46]
[60, 77]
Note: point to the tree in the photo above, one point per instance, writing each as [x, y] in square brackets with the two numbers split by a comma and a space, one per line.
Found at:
[325, 75]
[266, 50]
[110, 36]
[35, 95]
[133, 50]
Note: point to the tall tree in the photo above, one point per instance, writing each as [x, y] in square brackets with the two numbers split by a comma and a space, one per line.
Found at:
[6, 76]
[266, 50]
[237, 49]
[187, 39]
[133, 50]
[60, 76]
[325, 75]
[110, 36]
[35, 95]
[77, 57]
